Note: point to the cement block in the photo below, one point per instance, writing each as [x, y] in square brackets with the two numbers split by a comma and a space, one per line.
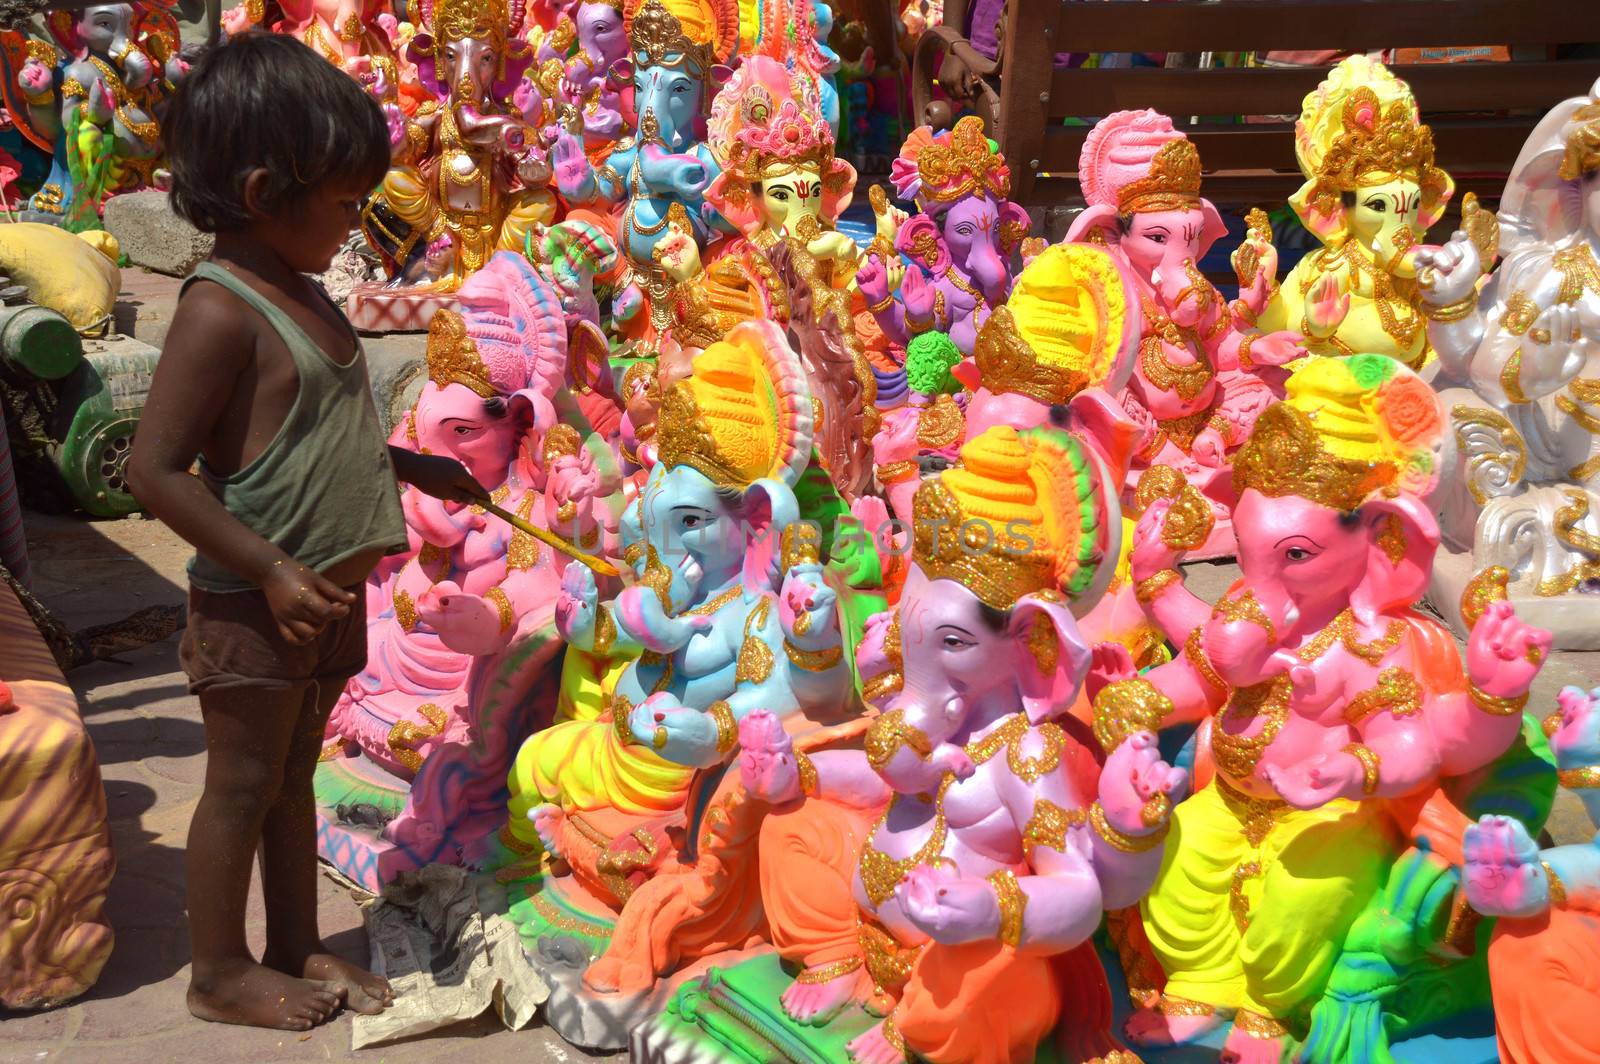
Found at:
[152, 236]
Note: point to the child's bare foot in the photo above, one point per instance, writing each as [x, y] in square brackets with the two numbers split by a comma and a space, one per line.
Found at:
[364, 992]
[248, 993]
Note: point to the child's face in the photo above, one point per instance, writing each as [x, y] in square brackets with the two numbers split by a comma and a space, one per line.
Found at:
[308, 233]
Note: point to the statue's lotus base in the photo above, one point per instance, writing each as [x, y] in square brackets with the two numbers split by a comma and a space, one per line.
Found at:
[732, 1016]
[1574, 617]
[377, 308]
[563, 931]
[355, 845]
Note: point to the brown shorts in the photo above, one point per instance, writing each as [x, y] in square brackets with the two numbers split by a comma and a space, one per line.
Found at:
[232, 641]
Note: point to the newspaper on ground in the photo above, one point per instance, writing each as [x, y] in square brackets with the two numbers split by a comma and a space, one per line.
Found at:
[447, 960]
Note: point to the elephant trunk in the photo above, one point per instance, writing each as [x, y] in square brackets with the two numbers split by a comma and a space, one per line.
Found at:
[990, 272]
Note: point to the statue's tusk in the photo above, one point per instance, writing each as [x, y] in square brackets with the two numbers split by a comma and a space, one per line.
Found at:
[599, 565]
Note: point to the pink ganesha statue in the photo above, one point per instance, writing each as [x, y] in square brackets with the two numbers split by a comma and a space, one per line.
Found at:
[947, 878]
[1192, 392]
[1332, 715]
[960, 244]
[463, 632]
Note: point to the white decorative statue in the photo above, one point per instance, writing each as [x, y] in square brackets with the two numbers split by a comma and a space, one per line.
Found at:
[1519, 372]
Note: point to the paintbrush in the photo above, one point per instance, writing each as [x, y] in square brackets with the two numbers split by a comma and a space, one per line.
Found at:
[598, 564]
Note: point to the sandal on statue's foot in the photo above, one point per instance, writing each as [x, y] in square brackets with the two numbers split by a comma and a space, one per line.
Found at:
[819, 993]
[1255, 1039]
[1172, 1021]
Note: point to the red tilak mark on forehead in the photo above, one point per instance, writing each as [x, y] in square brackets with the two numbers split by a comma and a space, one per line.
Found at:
[804, 189]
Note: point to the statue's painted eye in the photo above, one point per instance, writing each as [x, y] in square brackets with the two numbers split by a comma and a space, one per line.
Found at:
[1375, 205]
[1297, 554]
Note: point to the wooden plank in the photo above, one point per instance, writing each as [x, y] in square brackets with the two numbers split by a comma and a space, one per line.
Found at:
[1309, 25]
[1024, 94]
[1277, 90]
[1465, 144]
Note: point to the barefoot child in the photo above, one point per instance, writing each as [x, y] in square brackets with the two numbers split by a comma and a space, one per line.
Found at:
[272, 149]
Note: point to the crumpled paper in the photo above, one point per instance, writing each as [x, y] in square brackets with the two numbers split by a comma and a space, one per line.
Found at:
[447, 960]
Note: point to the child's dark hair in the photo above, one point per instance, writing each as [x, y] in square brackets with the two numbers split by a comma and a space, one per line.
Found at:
[266, 101]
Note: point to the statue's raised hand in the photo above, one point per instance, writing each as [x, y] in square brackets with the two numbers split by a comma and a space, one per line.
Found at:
[1326, 306]
[1501, 871]
[1504, 654]
[1109, 663]
[873, 280]
[1151, 553]
[767, 764]
[34, 77]
[1577, 737]
[896, 441]
[395, 119]
[576, 605]
[236, 20]
[917, 293]
[1255, 262]
[1448, 274]
[807, 606]
[571, 167]
[1137, 788]
[528, 101]
[947, 906]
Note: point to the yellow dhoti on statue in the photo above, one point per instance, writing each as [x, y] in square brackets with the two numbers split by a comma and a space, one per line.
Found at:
[1254, 898]
[580, 763]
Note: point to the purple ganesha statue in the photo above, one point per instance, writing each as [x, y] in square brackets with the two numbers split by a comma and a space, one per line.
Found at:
[961, 244]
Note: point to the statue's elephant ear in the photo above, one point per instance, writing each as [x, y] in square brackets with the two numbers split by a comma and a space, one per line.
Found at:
[1082, 526]
[770, 507]
[63, 26]
[1096, 223]
[1050, 656]
[1538, 207]
[920, 238]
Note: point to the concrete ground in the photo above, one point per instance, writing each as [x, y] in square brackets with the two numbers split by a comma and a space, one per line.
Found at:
[147, 732]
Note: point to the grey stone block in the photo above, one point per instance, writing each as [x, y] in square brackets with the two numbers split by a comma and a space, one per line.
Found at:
[397, 367]
[154, 237]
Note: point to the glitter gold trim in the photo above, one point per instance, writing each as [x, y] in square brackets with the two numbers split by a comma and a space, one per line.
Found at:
[1013, 903]
[1495, 705]
[1120, 841]
[727, 728]
[1369, 767]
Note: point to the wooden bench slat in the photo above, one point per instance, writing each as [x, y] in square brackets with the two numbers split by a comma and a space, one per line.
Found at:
[1275, 91]
[1468, 146]
[1309, 25]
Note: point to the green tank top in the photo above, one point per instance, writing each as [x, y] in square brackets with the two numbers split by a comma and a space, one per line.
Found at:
[324, 489]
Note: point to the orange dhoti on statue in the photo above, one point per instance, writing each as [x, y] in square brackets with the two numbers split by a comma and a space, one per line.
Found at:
[980, 1003]
[1545, 972]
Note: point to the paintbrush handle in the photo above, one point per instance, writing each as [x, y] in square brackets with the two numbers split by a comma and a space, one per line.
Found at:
[544, 535]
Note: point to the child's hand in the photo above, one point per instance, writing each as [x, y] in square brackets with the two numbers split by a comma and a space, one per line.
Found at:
[443, 478]
[303, 601]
